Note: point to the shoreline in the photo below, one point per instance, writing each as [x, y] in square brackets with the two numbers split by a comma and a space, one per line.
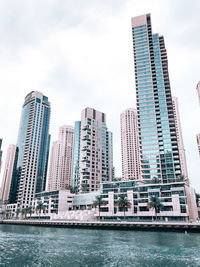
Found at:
[103, 225]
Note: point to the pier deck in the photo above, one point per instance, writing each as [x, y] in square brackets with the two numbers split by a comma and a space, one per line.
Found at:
[147, 226]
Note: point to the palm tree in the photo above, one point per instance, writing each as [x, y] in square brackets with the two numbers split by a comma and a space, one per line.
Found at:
[84, 188]
[98, 203]
[29, 210]
[155, 180]
[3, 214]
[68, 187]
[7, 213]
[123, 203]
[155, 204]
[24, 212]
[181, 178]
[40, 207]
[18, 212]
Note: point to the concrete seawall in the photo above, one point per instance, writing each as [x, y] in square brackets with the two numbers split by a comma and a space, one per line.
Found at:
[144, 226]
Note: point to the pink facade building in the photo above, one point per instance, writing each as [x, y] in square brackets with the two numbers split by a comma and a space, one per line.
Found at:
[7, 174]
[1, 152]
[129, 145]
[198, 135]
[179, 134]
[198, 90]
[96, 156]
[198, 142]
[61, 160]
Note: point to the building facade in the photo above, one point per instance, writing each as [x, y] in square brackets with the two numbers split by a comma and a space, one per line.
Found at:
[93, 156]
[198, 135]
[7, 174]
[130, 145]
[29, 175]
[159, 155]
[76, 155]
[179, 134]
[177, 198]
[61, 160]
[1, 152]
[198, 90]
[198, 142]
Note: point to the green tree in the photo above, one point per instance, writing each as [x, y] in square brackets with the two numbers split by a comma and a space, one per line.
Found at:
[155, 204]
[3, 214]
[40, 207]
[85, 188]
[68, 187]
[18, 212]
[29, 210]
[181, 178]
[155, 180]
[123, 203]
[98, 203]
[7, 213]
[73, 190]
[24, 212]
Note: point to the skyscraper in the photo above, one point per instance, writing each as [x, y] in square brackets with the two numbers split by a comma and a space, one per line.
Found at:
[93, 158]
[159, 155]
[130, 145]
[60, 167]
[29, 176]
[76, 155]
[179, 134]
[1, 152]
[7, 174]
[198, 142]
[198, 135]
[198, 90]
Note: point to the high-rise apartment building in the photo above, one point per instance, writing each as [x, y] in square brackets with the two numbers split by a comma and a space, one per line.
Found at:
[179, 134]
[198, 142]
[29, 176]
[61, 160]
[198, 135]
[159, 155]
[7, 174]
[130, 145]
[93, 151]
[76, 155]
[198, 90]
[1, 152]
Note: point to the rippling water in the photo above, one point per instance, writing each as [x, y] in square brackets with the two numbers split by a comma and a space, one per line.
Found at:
[40, 246]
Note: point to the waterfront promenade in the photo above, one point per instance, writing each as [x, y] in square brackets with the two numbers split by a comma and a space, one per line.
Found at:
[123, 225]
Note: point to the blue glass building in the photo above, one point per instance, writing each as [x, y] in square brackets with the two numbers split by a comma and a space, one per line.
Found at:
[159, 155]
[29, 174]
[76, 156]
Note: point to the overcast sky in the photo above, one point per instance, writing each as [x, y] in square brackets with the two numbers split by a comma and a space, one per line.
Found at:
[79, 54]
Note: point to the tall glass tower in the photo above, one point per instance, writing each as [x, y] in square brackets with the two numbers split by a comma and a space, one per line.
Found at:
[0, 154]
[29, 174]
[159, 155]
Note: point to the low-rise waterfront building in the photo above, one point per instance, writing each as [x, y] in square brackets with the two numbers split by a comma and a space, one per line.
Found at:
[54, 202]
[177, 198]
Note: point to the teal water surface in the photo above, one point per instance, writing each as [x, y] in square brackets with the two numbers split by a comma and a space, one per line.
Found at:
[43, 246]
